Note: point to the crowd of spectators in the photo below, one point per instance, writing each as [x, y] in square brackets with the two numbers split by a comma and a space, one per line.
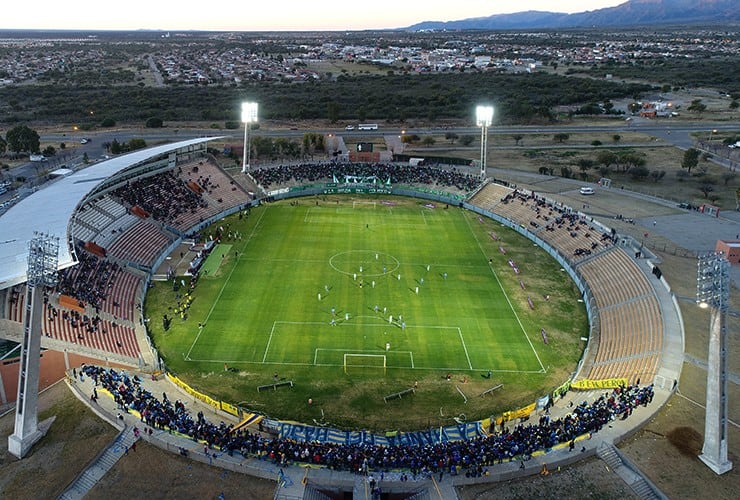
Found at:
[471, 456]
[164, 196]
[90, 281]
[397, 173]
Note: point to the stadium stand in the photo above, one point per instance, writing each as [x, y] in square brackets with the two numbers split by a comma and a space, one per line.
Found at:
[141, 244]
[92, 332]
[164, 196]
[630, 327]
[420, 453]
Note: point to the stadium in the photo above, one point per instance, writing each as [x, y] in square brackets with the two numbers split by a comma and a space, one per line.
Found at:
[142, 237]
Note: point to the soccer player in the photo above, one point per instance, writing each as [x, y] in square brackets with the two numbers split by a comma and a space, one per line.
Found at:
[387, 346]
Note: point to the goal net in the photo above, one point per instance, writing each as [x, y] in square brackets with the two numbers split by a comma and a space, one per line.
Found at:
[364, 363]
[364, 204]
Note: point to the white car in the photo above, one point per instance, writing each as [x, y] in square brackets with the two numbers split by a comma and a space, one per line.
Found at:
[586, 190]
[84, 140]
[349, 127]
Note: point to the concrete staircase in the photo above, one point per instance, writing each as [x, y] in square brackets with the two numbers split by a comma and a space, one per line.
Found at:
[100, 466]
[629, 473]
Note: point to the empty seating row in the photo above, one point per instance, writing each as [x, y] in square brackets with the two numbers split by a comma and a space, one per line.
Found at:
[142, 243]
[614, 278]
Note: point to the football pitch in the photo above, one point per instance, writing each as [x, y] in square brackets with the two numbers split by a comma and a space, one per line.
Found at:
[362, 284]
[356, 298]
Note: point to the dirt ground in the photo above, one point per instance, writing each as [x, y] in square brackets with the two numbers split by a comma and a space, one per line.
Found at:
[589, 479]
[152, 473]
[74, 439]
[78, 435]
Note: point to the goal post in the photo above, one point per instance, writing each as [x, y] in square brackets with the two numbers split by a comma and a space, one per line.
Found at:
[364, 204]
[364, 361]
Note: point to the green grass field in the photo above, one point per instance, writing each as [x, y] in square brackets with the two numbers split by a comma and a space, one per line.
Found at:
[356, 298]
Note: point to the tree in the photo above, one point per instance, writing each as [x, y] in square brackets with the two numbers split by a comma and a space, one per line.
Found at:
[467, 140]
[561, 137]
[332, 111]
[697, 106]
[706, 189]
[428, 140]
[452, 137]
[517, 138]
[639, 173]
[616, 138]
[585, 164]
[690, 159]
[154, 122]
[734, 104]
[606, 158]
[22, 138]
[115, 147]
[108, 122]
[656, 175]
[135, 143]
[3, 145]
[634, 107]
[728, 176]
[49, 151]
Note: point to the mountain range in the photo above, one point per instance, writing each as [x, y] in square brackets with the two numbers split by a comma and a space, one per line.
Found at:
[630, 13]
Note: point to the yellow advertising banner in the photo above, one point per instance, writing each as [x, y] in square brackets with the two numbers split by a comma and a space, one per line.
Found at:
[607, 383]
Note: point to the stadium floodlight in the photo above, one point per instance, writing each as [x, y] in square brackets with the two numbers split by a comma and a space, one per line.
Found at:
[43, 258]
[249, 116]
[713, 291]
[483, 119]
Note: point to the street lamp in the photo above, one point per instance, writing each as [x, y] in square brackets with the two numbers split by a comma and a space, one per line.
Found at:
[713, 291]
[249, 116]
[483, 119]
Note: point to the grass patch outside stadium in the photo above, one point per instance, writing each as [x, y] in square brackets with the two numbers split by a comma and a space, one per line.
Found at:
[410, 292]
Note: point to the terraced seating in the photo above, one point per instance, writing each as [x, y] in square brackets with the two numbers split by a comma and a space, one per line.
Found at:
[519, 209]
[630, 323]
[16, 303]
[219, 192]
[99, 334]
[614, 278]
[106, 237]
[630, 329]
[576, 241]
[122, 296]
[490, 195]
[631, 326]
[142, 243]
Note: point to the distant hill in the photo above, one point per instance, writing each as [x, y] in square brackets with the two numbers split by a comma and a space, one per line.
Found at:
[630, 13]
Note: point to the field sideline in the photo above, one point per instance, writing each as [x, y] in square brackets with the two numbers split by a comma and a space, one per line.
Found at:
[356, 292]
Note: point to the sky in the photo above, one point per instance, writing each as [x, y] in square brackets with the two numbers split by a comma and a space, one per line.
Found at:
[274, 15]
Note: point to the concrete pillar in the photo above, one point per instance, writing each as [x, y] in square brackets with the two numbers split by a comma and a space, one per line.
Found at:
[26, 411]
[714, 451]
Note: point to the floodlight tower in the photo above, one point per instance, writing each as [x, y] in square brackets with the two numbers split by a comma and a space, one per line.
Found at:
[42, 271]
[713, 290]
[249, 116]
[483, 119]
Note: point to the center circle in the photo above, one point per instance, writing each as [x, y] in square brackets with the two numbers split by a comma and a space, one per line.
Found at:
[364, 262]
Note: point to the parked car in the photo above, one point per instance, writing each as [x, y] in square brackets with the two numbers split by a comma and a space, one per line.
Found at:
[349, 127]
[587, 190]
